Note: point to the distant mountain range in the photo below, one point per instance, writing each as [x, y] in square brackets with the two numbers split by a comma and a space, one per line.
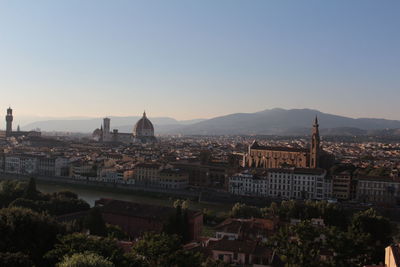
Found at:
[268, 122]
[88, 125]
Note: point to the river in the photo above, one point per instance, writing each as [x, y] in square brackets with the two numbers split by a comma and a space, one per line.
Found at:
[91, 194]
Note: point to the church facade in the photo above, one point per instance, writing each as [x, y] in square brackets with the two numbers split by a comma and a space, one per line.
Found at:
[278, 157]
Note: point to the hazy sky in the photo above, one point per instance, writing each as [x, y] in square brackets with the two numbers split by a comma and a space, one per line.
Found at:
[199, 59]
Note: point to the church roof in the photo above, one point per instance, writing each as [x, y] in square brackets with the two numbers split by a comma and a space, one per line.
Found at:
[278, 148]
[143, 124]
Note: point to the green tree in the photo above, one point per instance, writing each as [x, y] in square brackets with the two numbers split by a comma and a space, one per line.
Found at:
[53, 206]
[114, 231]
[27, 203]
[77, 242]
[28, 232]
[60, 206]
[10, 190]
[157, 249]
[94, 222]
[378, 229]
[209, 262]
[178, 223]
[271, 211]
[65, 194]
[87, 259]
[15, 260]
[161, 250]
[300, 245]
[240, 210]
[31, 191]
[335, 215]
[349, 249]
[290, 209]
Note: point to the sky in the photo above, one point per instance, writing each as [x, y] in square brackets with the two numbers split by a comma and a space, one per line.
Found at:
[199, 59]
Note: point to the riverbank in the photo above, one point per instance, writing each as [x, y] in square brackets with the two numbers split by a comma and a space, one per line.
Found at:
[90, 192]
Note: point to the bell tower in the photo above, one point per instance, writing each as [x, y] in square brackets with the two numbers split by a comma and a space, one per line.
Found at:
[315, 145]
[106, 129]
[9, 120]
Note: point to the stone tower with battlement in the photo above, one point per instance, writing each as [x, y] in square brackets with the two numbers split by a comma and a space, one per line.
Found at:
[315, 145]
[9, 120]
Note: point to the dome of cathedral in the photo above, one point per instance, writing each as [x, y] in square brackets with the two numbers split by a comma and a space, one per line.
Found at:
[97, 133]
[143, 128]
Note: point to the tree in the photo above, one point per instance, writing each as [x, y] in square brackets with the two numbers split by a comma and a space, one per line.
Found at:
[26, 203]
[60, 206]
[65, 194]
[31, 191]
[77, 242]
[10, 190]
[28, 232]
[94, 222]
[290, 209]
[159, 250]
[178, 223]
[114, 231]
[378, 229]
[185, 258]
[243, 211]
[272, 210]
[87, 259]
[15, 259]
[334, 215]
[349, 249]
[300, 245]
[53, 206]
[214, 263]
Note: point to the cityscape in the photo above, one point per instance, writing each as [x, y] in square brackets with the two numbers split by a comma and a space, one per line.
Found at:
[202, 134]
[250, 174]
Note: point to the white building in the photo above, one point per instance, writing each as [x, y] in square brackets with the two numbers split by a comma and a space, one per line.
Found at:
[291, 183]
[378, 189]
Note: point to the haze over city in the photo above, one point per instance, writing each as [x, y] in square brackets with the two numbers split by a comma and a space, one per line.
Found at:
[203, 59]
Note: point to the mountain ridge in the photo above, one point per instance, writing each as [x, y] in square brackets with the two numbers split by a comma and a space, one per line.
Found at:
[275, 121]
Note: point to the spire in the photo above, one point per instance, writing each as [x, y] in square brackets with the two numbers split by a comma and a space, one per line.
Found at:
[316, 121]
[144, 114]
[315, 145]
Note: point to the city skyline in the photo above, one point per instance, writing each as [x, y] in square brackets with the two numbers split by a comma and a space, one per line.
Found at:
[199, 60]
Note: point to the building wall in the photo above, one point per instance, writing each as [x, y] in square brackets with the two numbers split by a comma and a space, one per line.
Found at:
[147, 176]
[284, 183]
[203, 175]
[379, 190]
[173, 180]
[196, 226]
[12, 164]
[390, 257]
[137, 226]
[341, 186]
[134, 226]
[260, 158]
